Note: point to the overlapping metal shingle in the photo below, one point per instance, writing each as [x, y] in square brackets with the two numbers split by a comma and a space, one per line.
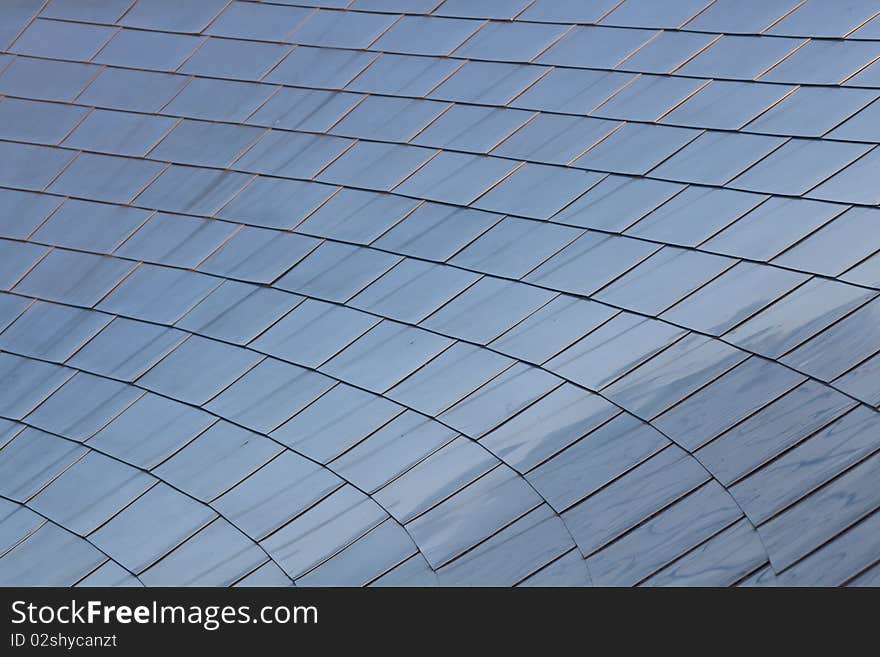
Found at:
[414, 292]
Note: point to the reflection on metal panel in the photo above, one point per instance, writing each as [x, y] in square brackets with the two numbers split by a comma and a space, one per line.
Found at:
[416, 293]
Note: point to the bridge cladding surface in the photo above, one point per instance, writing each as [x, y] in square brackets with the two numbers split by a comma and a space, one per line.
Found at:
[411, 292]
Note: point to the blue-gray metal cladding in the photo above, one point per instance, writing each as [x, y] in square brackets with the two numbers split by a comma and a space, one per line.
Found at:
[415, 292]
